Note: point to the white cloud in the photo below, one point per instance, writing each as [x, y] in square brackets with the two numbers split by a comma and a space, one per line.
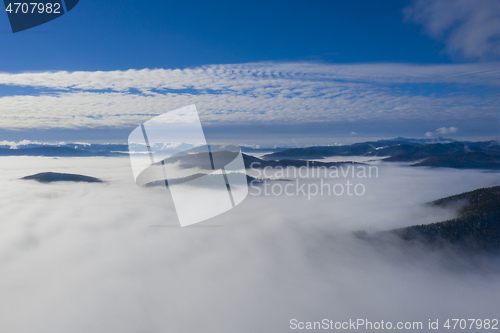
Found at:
[258, 93]
[469, 28]
[442, 131]
[449, 130]
[15, 145]
[84, 257]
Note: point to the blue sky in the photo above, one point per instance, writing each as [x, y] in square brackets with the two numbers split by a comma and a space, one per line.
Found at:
[307, 71]
[177, 34]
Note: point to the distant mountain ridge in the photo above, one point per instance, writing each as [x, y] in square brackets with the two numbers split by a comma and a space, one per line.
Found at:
[416, 152]
[455, 154]
[471, 160]
[385, 148]
[69, 150]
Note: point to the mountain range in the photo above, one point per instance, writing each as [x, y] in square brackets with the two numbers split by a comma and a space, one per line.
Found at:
[455, 154]
[414, 152]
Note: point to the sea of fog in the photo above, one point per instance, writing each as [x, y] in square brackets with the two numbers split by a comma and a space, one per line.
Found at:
[110, 257]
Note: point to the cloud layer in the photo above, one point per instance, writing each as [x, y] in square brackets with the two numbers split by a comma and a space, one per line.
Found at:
[88, 257]
[256, 93]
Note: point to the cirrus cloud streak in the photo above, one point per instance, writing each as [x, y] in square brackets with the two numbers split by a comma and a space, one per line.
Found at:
[255, 93]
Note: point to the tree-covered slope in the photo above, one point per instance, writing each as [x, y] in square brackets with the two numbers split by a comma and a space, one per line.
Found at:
[476, 228]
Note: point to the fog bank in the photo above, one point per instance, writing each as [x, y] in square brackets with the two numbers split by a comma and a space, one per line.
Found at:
[111, 258]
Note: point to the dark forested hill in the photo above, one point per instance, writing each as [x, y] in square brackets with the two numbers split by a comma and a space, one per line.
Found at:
[50, 177]
[476, 228]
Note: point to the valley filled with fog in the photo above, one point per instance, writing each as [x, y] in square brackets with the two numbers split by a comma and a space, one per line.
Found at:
[111, 257]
